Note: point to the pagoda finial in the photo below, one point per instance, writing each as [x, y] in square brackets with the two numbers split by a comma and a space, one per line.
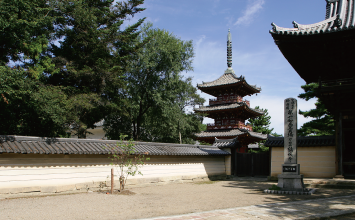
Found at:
[229, 49]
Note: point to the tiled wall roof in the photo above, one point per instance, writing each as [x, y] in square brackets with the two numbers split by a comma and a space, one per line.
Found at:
[302, 141]
[38, 145]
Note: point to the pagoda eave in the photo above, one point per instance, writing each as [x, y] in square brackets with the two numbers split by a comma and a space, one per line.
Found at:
[319, 57]
[245, 137]
[242, 88]
[243, 110]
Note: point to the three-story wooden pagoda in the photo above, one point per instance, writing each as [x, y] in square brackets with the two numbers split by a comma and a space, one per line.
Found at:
[228, 109]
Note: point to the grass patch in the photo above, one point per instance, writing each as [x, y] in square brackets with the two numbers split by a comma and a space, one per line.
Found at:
[274, 187]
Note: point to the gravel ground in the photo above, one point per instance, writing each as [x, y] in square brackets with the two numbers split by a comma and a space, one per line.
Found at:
[151, 201]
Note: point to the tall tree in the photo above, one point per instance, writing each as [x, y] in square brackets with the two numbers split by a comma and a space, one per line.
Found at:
[93, 54]
[262, 123]
[28, 107]
[157, 95]
[323, 122]
[84, 68]
[26, 27]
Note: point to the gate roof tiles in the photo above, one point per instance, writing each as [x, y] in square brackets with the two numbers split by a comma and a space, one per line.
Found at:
[302, 141]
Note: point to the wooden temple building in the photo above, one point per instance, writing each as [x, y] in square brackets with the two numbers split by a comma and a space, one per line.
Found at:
[228, 109]
[323, 53]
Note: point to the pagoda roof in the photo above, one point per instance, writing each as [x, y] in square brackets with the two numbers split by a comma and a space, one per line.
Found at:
[230, 133]
[228, 78]
[340, 15]
[215, 108]
[220, 133]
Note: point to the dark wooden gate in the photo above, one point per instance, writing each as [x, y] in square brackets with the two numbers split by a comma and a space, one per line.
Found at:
[252, 164]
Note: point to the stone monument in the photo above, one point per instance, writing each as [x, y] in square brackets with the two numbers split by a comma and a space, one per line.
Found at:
[290, 179]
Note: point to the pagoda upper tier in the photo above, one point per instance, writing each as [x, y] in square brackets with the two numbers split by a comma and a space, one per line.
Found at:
[240, 110]
[228, 83]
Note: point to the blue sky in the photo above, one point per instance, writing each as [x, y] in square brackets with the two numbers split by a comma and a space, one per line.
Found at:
[255, 54]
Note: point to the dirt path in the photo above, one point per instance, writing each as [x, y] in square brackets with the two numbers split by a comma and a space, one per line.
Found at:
[151, 201]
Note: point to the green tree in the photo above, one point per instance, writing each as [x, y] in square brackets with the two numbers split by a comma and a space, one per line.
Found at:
[28, 107]
[323, 122]
[157, 94]
[93, 54]
[126, 159]
[26, 27]
[262, 123]
[84, 68]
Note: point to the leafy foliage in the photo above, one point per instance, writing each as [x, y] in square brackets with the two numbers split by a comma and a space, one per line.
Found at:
[28, 107]
[93, 55]
[157, 95]
[262, 123]
[323, 122]
[276, 134]
[70, 58]
[25, 29]
[126, 159]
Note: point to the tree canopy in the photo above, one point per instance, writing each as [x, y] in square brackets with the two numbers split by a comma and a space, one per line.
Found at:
[72, 54]
[157, 94]
[65, 65]
[262, 123]
[323, 122]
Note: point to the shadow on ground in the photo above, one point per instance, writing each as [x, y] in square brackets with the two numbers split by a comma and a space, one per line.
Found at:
[257, 187]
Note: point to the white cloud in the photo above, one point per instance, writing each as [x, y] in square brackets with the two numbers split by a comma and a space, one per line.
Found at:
[200, 40]
[253, 7]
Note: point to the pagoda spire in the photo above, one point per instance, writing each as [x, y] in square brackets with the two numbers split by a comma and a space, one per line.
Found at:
[229, 49]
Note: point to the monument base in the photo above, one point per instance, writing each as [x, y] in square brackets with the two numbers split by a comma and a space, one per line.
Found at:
[338, 177]
[289, 182]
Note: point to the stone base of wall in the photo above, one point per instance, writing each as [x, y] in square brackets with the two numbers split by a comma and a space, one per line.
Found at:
[103, 186]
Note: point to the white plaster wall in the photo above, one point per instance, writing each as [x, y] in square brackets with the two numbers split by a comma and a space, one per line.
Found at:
[315, 162]
[47, 170]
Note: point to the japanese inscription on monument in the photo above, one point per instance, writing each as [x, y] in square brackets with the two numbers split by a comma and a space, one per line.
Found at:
[290, 132]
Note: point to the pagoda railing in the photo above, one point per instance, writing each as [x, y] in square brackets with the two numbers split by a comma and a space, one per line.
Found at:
[227, 101]
[229, 126]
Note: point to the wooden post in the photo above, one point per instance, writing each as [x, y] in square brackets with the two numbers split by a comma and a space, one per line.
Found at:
[112, 180]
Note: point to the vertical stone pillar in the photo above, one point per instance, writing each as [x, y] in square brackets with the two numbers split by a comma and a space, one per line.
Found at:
[290, 179]
[290, 131]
